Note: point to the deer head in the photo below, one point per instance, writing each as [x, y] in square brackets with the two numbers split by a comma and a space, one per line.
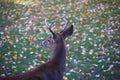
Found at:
[57, 38]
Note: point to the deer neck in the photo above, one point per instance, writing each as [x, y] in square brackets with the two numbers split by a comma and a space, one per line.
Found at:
[59, 54]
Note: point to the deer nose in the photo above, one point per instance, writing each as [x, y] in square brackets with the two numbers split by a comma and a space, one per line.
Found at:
[44, 43]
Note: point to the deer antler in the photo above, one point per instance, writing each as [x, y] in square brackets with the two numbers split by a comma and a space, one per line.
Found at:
[65, 22]
[49, 26]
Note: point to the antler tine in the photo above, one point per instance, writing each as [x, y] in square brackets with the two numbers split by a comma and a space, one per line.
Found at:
[65, 22]
[49, 26]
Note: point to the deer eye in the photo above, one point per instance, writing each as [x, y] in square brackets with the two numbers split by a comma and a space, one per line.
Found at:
[48, 40]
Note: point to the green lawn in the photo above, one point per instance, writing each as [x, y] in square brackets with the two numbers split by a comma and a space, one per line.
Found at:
[93, 51]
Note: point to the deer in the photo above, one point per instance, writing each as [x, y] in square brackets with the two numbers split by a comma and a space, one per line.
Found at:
[53, 69]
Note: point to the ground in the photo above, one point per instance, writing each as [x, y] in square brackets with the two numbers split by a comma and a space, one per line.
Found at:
[93, 51]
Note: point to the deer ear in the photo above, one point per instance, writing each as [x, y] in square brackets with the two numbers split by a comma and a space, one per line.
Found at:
[68, 32]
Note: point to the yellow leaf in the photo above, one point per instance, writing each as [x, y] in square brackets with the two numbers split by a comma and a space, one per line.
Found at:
[57, 28]
[91, 67]
[71, 21]
[88, 74]
[37, 46]
[82, 21]
[15, 57]
[93, 57]
[9, 52]
[15, 52]
[11, 42]
[65, 78]
[30, 49]
[18, 12]
[78, 41]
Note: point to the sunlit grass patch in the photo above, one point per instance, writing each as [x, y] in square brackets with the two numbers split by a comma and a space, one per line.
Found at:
[24, 2]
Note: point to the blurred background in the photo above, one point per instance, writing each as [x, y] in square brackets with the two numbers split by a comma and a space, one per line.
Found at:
[93, 51]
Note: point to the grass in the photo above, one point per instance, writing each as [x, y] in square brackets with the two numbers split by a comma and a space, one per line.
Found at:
[93, 51]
